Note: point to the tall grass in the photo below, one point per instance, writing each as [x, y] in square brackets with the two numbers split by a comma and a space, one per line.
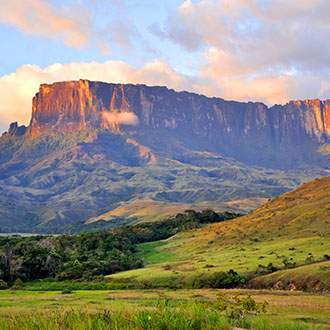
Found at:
[193, 316]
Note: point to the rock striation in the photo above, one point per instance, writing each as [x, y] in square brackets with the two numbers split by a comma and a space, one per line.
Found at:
[252, 132]
[93, 147]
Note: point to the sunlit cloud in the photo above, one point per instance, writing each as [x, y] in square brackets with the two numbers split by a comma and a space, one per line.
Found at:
[269, 51]
[71, 24]
[120, 118]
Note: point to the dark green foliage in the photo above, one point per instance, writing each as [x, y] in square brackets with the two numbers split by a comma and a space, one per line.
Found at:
[88, 255]
[226, 280]
[3, 285]
[288, 263]
[66, 291]
[270, 268]
[310, 259]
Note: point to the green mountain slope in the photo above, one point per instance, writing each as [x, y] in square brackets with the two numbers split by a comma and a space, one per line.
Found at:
[62, 180]
[291, 230]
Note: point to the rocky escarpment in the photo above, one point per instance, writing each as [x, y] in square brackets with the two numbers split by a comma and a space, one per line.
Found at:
[15, 130]
[251, 132]
[93, 147]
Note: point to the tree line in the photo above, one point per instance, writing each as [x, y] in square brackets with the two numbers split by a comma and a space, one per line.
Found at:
[91, 254]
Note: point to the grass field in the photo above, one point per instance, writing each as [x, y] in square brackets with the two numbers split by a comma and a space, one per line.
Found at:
[314, 277]
[156, 309]
[292, 229]
[183, 256]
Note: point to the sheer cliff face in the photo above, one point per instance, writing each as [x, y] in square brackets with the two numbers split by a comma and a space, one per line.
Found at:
[112, 144]
[249, 131]
[83, 104]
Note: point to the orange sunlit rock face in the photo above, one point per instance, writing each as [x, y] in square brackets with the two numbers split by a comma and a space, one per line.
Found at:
[77, 105]
[251, 131]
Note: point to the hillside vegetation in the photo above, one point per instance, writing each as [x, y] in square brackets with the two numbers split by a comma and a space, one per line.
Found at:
[289, 231]
[163, 309]
[90, 254]
[58, 182]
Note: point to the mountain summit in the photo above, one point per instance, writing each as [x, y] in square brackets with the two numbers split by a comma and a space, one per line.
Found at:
[277, 136]
[92, 147]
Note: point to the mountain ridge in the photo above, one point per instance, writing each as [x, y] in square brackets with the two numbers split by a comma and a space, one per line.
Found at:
[285, 134]
[323, 117]
[90, 147]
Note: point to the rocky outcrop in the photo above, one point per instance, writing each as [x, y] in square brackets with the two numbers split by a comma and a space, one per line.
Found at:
[15, 130]
[249, 131]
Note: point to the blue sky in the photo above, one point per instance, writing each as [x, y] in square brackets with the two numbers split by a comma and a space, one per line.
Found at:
[22, 46]
[25, 47]
[263, 50]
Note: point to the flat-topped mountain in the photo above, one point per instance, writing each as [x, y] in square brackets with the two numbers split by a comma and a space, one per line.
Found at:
[93, 147]
[278, 136]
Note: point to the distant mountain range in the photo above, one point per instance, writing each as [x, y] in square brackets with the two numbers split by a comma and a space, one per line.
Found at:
[98, 151]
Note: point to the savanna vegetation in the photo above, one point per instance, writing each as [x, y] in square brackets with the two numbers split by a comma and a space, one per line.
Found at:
[180, 263]
[163, 309]
[284, 244]
[88, 255]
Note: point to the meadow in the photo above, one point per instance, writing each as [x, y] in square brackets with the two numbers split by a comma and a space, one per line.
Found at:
[181, 257]
[163, 309]
[288, 236]
[284, 245]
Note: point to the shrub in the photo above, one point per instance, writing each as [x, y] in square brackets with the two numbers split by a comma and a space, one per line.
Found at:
[18, 284]
[270, 268]
[230, 279]
[3, 285]
[66, 291]
[310, 259]
[237, 309]
[288, 263]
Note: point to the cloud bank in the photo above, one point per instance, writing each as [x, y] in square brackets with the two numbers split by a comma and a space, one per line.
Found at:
[71, 24]
[270, 51]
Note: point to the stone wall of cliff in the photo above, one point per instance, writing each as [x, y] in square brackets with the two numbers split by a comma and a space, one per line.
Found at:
[252, 131]
[80, 104]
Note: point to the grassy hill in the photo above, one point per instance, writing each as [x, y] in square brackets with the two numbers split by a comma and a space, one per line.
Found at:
[288, 231]
[148, 210]
[310, 277]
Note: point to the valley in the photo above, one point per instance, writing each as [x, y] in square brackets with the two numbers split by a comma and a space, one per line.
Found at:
[275, 255]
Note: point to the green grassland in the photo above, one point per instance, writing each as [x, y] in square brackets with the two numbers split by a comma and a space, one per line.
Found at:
[291, 232]
[310, 277]
[159, 309]
[292, 229]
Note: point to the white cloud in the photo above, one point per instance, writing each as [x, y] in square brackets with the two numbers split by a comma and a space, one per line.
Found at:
[72, 25]
[270, 51]
[18, 88]
[120, 118]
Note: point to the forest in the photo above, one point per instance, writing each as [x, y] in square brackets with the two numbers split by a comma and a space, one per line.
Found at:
[88, 255]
